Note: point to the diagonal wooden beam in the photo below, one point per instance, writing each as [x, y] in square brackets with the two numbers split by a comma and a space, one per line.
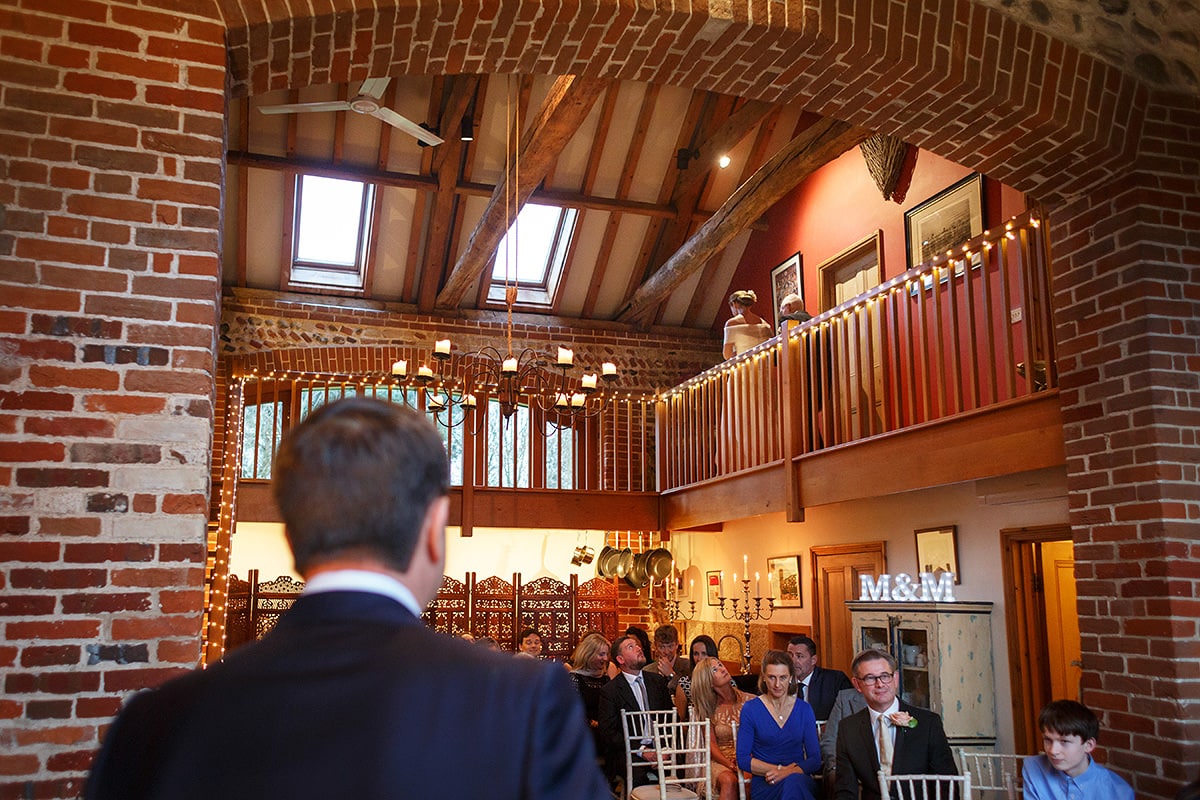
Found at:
[735, 128]
[565, 108]
[817, 145]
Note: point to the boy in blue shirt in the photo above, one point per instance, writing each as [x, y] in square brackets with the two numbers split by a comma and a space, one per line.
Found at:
[1066, 769]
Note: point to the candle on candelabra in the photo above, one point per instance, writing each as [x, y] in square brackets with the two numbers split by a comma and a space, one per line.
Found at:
[588, 381]
[565, 357]
[691, 587]
[608, 368]
[735, 581]
[757, 586]
[770, 585]
[509, 365]
[424, 372]
[721, 583]
[746, 565]
[577, 400]
[400, 368]
[442, 347]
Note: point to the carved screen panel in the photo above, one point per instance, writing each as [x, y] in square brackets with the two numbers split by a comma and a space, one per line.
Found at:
[449, 612]
[237, 612]
[545, 604]
[271, 599]
[493, 609]
[596, 608]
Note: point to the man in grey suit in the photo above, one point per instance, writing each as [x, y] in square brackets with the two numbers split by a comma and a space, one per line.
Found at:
[351, 695]
[905, 739]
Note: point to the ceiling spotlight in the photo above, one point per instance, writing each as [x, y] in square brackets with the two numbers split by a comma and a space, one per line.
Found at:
[723, 161]
[684, 156]
[468, 130]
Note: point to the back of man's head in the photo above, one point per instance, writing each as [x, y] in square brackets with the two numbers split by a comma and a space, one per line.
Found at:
[355, 478]
[1069, 718]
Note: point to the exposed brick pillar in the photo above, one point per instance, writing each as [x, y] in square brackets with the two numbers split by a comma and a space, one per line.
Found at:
[1127, 291]
[111, 147]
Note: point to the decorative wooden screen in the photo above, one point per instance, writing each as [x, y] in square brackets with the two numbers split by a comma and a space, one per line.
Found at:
[547, 604]
[596, 608]
[494, 609]
[450, 611]
[255, 607]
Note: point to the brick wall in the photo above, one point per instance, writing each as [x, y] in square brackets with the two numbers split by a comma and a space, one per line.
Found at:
[1128, 327]
[111, 139]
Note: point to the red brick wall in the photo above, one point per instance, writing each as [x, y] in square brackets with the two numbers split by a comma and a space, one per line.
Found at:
[111, 140]
[1127, 290]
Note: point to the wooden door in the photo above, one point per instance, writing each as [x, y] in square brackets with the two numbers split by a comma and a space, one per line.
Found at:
[836, 570]
[853, 272]
[1062, 618]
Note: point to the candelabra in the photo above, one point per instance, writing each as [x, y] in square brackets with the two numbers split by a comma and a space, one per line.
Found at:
[674, 609]
[741, 609]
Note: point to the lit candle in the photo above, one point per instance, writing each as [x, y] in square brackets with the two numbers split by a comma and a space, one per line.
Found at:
[400, 368]
[691, 587]
[565, 357]
[746, 565]
[469, 401]
[735, 581]
[509, 365]
[577, 400]
[589, 381]
[560, 400]
[722, 583]
[442, 347]
[770, 585]
[757, 586]
[608, 368]
[424, 372]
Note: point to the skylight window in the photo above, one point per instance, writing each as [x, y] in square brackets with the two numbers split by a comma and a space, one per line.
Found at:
[331, 231]
[532, 254]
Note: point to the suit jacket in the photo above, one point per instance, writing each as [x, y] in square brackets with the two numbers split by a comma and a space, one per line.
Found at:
[350, 695]
[823, 687]
[616, 695]
[849, 701]
[919, 750]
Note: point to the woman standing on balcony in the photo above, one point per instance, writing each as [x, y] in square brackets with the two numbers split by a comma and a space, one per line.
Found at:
[745, 329]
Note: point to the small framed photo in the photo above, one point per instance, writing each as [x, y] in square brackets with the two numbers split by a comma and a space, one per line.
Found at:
[937, 551]
[946, 220]
[783, 576]
[713, 587]
[787, 278]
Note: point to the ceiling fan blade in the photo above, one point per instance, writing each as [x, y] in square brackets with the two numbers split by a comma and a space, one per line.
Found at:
[299, 108]
[408, 126]
[374, 87]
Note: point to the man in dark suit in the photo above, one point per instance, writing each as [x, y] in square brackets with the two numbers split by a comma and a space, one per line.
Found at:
[625, 692]
[350, 695]
[817, 686]
[912, 739]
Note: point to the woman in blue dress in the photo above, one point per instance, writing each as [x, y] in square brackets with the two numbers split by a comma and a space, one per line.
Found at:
[777, 739]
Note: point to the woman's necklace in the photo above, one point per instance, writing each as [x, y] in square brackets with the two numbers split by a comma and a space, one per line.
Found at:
[779, 709]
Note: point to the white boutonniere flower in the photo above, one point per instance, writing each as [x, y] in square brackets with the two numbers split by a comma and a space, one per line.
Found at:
[902, 719]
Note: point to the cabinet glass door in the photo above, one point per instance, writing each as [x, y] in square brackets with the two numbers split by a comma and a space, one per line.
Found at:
[913, 653]
[876, 638]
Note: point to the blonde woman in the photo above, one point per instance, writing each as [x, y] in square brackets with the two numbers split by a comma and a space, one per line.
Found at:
[717, 699]
[744, 329]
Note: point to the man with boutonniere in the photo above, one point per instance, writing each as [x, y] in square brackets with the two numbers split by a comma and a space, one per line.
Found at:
[888, 734]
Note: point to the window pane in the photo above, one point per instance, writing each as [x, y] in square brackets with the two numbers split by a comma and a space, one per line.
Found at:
[330, 221]
[527, 245]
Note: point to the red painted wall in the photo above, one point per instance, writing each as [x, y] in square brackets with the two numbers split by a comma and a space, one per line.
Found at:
[838, 206]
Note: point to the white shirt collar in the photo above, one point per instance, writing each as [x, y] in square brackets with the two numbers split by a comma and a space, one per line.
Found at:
[361, 580]
[892, 709]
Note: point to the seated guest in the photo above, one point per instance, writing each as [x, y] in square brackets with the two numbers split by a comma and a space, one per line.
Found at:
[529, 643]
[904, 739]
[633, 690]
[667, 661]
[848, 702]
[816, 685]
[643, 639]
[488, 642]
[715, 698]
[589, 673]
[777, 739]
[702, 647]
[1066, 767]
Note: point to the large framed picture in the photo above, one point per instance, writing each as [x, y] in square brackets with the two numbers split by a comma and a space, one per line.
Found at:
[783, 576]
[946, 220]
[713, 587]
[937, 551]
[787, 278]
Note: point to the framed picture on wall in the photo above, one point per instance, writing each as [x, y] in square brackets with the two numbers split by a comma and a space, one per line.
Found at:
[787, 278]
[783, 576]
[937, 551]
[946, 220]
[713, 587]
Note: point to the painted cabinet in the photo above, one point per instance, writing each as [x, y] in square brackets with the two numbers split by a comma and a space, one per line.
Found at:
[945, 655]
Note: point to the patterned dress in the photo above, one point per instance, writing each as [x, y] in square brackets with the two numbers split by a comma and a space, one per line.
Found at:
[722, 728]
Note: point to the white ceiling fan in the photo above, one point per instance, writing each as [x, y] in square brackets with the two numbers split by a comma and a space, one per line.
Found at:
[365, 102]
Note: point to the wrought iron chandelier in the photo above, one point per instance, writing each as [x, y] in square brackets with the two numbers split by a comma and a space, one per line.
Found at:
[511, 379]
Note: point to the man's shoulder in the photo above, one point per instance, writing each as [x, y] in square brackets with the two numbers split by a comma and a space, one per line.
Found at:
[834, 675]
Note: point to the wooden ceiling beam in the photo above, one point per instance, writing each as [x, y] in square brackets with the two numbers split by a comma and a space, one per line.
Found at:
[819, 143]
[726, 137]
[568, 103]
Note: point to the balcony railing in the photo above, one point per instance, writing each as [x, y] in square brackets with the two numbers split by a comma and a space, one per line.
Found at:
[969, 330]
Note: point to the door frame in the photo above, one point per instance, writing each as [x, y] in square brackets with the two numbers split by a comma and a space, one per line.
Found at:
[822, 636]
[1024, 619]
